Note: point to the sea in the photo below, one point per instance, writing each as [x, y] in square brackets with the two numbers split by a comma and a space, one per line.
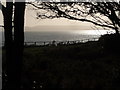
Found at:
[68, 35]
[63, 35]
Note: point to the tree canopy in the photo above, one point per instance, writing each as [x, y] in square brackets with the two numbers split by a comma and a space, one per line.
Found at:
[104, 14]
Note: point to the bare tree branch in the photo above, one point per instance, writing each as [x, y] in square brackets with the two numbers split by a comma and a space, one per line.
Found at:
[88, 11]
[2, 7]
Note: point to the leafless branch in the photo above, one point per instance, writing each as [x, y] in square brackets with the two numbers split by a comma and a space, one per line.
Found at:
[85, 12]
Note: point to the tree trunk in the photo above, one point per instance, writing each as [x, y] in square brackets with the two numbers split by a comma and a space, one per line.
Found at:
[14, 47]
[8, 42]
[116, 31]
[18, 40]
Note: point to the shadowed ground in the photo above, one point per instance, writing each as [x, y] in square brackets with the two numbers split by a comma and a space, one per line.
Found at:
[87, 65]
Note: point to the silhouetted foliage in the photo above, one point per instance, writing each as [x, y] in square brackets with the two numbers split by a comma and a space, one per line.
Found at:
[104, 14]
[110, 42]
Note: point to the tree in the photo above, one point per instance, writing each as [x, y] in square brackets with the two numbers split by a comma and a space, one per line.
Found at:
[14, 45]
[104, 14]
[18, 41]
[7, 15]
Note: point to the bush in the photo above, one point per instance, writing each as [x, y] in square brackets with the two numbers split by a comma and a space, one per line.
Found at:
[110, 42]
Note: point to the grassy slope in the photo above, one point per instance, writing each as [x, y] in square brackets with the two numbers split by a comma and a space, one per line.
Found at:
[74, 66]
[87, 65]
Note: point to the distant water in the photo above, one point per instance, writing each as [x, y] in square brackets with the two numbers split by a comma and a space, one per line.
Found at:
[56, 35]
[68, 35]
[63, 35]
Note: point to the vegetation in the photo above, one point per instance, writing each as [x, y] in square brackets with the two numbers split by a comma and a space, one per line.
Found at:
[104, 14]
[85, 65]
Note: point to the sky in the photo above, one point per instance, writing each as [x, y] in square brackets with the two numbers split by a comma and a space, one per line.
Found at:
[59, 23]
[32, 21]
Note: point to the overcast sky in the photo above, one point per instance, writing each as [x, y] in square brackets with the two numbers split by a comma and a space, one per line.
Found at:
[31, 21]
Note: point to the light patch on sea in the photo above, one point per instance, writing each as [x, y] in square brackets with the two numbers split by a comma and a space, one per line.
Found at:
[68, 35]
[59, 35]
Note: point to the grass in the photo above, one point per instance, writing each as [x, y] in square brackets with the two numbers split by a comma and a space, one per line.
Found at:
[87, 65]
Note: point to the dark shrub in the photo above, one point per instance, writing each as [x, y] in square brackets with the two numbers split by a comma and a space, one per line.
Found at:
[110, 42]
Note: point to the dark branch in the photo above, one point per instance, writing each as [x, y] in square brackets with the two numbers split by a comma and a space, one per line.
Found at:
[81, 12]
[2, 7]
